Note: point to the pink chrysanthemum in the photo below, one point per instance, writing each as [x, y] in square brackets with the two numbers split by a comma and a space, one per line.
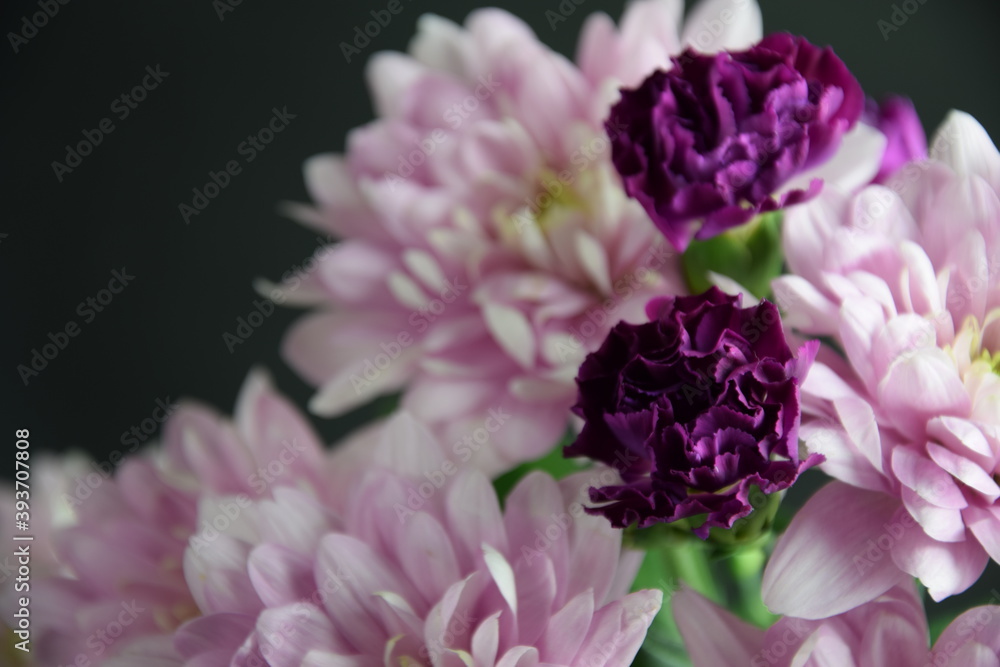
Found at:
[487, 243]
[889, 631]
[413, 573]
[118, 590]
[904, 278]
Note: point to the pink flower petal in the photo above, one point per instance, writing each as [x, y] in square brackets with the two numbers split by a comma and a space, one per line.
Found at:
[945, 568]
[702, 624]
[821, 565]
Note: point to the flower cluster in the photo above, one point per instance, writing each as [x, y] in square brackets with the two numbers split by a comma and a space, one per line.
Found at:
[524, 243]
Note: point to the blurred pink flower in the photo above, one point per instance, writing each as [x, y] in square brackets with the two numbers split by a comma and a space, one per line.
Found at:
[487, 244]
[904, 278]
[417, 574]
[117, 590]
[889, 631]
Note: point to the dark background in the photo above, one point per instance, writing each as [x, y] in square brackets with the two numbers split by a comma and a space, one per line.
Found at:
[161, 338]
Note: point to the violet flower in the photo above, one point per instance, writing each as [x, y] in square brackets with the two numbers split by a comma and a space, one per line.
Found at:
[716, 136]
[906, 142]
[694, 408]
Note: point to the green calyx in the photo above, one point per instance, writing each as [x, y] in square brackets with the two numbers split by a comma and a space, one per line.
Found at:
[750, 254]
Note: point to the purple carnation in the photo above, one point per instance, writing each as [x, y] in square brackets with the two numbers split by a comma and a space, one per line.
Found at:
[716, 136]
[694, 408]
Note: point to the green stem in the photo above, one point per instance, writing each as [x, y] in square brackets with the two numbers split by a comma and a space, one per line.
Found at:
[688, 562]
[747, 567]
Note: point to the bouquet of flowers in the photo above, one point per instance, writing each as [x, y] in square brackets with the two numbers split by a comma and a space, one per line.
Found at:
[623, 303]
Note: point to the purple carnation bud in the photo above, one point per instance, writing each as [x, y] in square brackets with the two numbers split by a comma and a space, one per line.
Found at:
[715, 137]
[694, 408]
